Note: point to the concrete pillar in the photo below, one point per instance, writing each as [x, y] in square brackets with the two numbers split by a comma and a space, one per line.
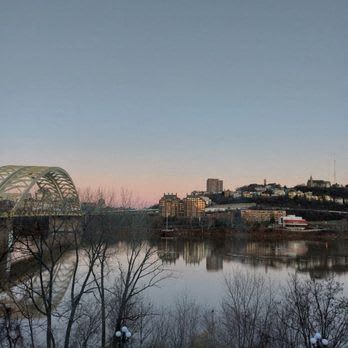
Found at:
[6, 245]
[10, 243]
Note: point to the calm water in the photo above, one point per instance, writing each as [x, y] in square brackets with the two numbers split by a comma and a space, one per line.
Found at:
[199, 266]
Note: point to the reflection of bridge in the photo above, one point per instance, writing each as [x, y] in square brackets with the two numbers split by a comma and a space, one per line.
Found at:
[17, 295]
[55, 192]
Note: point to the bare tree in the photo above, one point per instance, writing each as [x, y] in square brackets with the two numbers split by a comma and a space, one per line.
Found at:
[143, 326]
[10, 329]
[186, 316]
[126, 198]
[100, 284]
[141, 270]
[210, 327]
[247, 310]
[177, 325]
[79, 287]
[46, 250]
[87, 330]
[37, 287]
[21, 312]
[311, 306]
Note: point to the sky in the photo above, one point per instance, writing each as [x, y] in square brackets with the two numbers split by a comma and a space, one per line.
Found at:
[157, 96]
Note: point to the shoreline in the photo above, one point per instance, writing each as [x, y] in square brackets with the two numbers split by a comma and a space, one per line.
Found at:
[256, 234]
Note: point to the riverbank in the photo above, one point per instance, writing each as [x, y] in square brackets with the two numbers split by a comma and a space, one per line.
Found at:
[257, 233]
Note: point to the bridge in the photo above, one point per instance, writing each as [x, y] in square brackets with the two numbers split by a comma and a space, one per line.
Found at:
[37, 191]
[35, 198]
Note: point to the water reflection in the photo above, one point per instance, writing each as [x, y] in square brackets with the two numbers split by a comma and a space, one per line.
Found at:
[16, 289]
[314, 257]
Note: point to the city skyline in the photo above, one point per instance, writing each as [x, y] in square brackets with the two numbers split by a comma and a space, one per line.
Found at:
[158, 96]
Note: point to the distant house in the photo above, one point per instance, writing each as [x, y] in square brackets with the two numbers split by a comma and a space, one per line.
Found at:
[252, 216]
[292, 194]
[236, 194]
[339, 200]
[278, 192]
[318, 183]
[223, 208]
[328, 198]
[260, 188]
[228, 193]
[198, 193]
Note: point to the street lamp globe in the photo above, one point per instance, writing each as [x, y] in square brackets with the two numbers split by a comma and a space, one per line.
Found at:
[318, 341]
[317, 336]
[124, 329]
[313, 340]
[324, 342]
[118, 334]
[128, 334]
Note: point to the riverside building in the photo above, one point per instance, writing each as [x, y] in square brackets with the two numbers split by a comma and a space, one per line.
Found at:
[194, 206]
[171, 205]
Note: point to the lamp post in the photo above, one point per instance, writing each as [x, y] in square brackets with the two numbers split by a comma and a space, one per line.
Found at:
[122, 336]
[318, 341]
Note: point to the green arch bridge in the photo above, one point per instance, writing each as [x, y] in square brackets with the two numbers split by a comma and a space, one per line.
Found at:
[37, 191]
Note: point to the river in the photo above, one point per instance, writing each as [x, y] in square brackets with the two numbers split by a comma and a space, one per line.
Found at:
[198, 266]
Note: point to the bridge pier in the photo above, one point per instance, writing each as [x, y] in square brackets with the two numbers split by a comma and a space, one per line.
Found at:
[6, 245]
[63, 227]
[10, 244]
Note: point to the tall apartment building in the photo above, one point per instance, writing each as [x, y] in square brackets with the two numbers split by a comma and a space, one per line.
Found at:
[171, 205]
[214, 185]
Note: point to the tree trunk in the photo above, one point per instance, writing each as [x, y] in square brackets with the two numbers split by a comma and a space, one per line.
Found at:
[102, 298]
[49, 332]
[69, 326]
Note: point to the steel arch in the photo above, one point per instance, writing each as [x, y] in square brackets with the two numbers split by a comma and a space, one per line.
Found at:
[62, 274]
[59, 194]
